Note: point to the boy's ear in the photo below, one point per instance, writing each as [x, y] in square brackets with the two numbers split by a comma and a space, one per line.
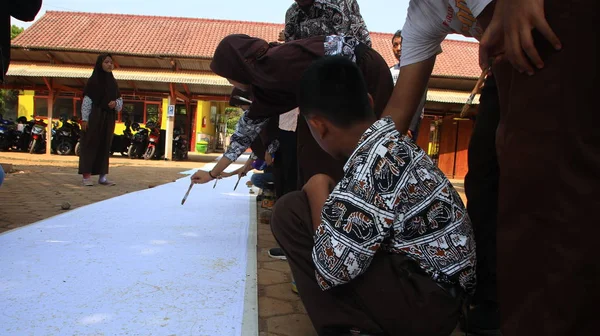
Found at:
[371, 103]
[318, 125]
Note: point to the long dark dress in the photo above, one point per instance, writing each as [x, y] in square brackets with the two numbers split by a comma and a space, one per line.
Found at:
[100, 90]
[96, 142]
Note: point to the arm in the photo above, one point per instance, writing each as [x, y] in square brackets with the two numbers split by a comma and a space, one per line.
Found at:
[349, 230]
[421, 43]
[289, 32]
[119, 104]
[317, 190]
[246, 131]
[24, 10]
[86, 110]
[357, 24]
[411, 85]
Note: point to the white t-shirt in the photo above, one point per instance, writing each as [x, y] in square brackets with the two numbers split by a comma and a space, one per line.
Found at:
[289, 120]
[395, 70]
[429, 22]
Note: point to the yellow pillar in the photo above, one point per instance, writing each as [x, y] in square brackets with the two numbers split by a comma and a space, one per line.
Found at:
[163, 117]
[26, 107]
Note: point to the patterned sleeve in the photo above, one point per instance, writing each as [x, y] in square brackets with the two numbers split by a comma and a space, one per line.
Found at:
[355, 221]
[340, 45]
[119, 106]
[246, 131]
[86, 108]
[273, 147]
[357, 24]
[291, 25]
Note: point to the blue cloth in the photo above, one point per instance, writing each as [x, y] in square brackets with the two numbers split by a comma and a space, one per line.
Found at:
[261, 180]
[1, 175]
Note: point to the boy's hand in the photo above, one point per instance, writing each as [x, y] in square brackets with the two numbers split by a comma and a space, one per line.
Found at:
[84, 126]
[269, 159]
[112, 104]
[317, 190]
[520, 18]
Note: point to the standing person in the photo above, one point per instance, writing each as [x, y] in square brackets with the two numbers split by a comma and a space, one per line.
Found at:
[547, 272]
[415, 123]
[101, 102]
[308, 18]
[24, 10]
[548, 147]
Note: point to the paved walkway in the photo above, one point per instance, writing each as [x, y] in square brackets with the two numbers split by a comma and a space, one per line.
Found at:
[40, 184]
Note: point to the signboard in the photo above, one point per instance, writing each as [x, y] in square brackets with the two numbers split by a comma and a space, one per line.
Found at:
[171, 111]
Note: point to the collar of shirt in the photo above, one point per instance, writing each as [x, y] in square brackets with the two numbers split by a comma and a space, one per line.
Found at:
[384, 125]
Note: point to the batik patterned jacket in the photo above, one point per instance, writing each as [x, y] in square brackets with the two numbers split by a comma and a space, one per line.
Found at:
[393, 199]
[326, 17]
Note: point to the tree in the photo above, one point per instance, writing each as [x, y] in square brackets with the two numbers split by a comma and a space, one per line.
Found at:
[15, 31]
[9, 98]
[233, 115]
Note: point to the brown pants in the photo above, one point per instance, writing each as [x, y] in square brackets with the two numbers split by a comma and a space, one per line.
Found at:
[392, 298]
[548, 145]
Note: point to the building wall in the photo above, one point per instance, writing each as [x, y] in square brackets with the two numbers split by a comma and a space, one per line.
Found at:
[454, 145]
[26, 107]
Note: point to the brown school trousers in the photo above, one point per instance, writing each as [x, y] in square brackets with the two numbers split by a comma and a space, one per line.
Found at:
[393, 297]
[548, 145]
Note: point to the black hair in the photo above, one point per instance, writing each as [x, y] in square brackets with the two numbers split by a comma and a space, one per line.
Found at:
[334, 88]
[397, 34]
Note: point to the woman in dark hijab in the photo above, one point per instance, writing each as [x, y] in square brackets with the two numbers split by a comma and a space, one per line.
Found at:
[272, 71]
[101, 101]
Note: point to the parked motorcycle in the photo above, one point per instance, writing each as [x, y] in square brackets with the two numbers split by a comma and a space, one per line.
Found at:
[38, 137]
[180, 145]
[121, 143]
[65, 138]
[22, 134]
[7, 133]
[139, 143]
[154, 141]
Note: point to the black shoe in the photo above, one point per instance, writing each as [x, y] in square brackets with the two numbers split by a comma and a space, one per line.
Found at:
[277, 253]
[483, 320]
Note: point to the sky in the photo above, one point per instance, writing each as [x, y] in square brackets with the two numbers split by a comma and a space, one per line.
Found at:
[384, 16]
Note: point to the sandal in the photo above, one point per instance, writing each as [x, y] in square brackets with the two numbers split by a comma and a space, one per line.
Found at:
[106, 182]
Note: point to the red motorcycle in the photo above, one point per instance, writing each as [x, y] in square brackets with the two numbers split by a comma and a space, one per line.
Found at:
[38, 137]
[153, 140]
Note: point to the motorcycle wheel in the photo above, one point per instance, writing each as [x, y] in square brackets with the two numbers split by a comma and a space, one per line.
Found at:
[149, 153]
[32, 146]
[132, 152]
[177, 155]
[78, 149]
[64, 148]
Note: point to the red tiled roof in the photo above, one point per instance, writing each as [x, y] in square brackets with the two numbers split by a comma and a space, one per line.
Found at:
[190, 37]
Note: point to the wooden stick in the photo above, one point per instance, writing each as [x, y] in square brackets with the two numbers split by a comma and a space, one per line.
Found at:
[187, 193]
[236, 183]
[476, 89]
